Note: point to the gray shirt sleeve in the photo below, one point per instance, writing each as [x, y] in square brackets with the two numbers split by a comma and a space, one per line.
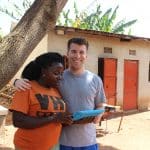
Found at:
[100, 94]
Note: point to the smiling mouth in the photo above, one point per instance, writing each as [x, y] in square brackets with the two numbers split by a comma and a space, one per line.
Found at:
[76, 61]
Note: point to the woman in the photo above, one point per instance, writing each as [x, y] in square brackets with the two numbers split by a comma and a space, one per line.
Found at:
[39, 112]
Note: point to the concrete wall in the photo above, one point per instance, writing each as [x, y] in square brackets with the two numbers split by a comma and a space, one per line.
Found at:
[42, 47]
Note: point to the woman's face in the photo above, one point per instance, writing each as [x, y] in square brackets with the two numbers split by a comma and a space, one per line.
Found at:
[53, 74]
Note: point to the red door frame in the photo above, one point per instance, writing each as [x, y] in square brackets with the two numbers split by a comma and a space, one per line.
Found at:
[130, 85]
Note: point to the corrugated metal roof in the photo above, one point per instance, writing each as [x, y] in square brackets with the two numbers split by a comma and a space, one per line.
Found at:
[122, 37]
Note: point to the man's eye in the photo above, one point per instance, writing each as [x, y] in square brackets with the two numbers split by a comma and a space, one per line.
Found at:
[82, 52]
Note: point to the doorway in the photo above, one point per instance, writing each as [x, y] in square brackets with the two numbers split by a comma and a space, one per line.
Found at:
[130, 84]
[107, 70]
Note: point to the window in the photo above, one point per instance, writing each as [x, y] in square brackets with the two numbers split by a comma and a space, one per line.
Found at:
[107, 50]
[132, 52]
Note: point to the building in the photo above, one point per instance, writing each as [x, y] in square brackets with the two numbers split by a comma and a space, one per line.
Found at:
[122, 61]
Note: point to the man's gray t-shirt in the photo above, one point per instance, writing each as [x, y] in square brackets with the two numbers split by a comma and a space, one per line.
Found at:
[80, 92]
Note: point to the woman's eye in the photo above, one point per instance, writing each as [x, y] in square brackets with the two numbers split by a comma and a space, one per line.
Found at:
[57, 74]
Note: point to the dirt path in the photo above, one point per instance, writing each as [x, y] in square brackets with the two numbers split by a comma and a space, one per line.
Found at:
[134, 133]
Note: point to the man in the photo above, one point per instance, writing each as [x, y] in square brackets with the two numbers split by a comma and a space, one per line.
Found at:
[81, 90]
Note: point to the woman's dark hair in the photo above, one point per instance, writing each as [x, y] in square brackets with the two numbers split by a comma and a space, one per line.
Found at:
[79, 41]
[33, 70]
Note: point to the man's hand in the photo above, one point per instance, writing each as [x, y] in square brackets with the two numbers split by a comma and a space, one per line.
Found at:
[97, 119]
[22, 84]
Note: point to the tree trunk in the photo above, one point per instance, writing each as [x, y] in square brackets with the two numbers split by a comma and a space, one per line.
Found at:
[16, 47]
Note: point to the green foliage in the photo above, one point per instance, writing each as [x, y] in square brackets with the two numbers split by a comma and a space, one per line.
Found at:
[14, 10]
[97, 20]
[120, 28]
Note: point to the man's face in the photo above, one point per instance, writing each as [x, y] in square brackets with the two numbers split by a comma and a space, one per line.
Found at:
[77, 54]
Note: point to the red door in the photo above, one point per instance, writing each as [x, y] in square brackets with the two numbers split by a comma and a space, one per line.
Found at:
[130, 84]
[107, 69]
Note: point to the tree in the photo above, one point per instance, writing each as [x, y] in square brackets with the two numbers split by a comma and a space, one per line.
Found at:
[16, 46]
[0, 35]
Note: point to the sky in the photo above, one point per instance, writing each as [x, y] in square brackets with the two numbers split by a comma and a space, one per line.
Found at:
[128, 9]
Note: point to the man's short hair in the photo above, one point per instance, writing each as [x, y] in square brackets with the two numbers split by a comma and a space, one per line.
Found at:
[79, 41]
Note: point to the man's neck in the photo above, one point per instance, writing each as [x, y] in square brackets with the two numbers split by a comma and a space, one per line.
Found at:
[77, 71]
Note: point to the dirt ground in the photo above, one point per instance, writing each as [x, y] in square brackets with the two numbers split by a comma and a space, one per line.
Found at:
[134, 133]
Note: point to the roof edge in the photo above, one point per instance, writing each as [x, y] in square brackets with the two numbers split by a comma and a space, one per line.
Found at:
[122, 37]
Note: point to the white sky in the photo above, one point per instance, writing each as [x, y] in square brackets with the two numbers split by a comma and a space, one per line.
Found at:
[128, 9]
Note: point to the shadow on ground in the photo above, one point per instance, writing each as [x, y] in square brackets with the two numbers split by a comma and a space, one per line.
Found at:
[107, 147]
[104, 147]
[124, 113]
[100, 133]
[3, 147]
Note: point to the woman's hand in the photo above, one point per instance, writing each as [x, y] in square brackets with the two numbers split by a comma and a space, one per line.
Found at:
[64, 118]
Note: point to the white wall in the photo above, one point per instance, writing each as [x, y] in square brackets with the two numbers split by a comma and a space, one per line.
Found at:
[42, 47]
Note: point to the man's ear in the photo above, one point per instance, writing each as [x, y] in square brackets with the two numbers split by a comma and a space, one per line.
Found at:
[67, 53]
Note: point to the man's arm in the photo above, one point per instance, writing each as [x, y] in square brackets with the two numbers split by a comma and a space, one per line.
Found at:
[97, 119]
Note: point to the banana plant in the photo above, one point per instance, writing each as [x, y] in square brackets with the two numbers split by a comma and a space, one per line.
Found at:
[16, 11]
[97, 20]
